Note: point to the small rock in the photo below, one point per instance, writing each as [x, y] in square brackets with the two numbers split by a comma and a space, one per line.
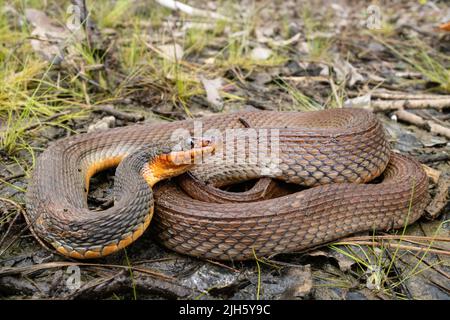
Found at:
[104, 124]
[355, 295]
[328, 293]
[212, 92]
[260, 78]
[209, 276]
[302, 283]
[362, 102]
[260, 54]
[172, 51]
[375, 47]
[432, 141]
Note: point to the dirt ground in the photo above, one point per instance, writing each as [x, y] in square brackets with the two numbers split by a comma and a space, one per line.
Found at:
[140, 61]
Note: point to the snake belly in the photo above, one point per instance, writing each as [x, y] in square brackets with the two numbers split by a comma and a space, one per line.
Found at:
[336, 152]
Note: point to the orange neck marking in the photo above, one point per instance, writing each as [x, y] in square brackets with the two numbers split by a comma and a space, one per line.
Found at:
[163, 167]
[100, 166]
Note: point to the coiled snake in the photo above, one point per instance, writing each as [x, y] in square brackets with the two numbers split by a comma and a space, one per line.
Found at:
[335, 152]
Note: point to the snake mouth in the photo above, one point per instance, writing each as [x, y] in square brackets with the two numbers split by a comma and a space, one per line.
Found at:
[174, 163]
[197, 149]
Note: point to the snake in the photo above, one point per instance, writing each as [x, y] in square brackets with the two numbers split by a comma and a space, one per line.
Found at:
[350, 180]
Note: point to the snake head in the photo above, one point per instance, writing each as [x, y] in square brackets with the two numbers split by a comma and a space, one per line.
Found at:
[170, 161]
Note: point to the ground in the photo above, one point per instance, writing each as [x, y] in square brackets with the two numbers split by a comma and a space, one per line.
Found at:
[139, 61]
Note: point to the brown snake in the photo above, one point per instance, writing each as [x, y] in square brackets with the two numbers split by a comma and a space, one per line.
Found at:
[332, 151]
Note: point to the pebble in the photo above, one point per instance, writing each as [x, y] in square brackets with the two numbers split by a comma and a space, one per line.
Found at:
[103, 124]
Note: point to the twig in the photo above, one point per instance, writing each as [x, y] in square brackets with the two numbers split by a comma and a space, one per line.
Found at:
[432, 173]
[428, 116]
[14, 176]
[120, 282]
[306, 79]
[176, 5]
[20, 210]
[335, 93]
[398, 237]
[394, 245]
[391, 105]
[394, 95]
[35, 125]
[28, 227]
[53, 117]
[429, 158]
[109, 109]
[399, 275]
[440, 199]
[429, 125]
[432, 266]
[37, 267]
[222, 265]
[443, 117]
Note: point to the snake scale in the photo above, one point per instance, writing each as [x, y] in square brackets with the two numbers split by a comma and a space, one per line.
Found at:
[336, 153]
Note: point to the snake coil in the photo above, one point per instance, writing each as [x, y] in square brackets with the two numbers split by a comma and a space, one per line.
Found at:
[334, 152]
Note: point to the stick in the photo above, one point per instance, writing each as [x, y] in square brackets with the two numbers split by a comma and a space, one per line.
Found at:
[428, 158]
[20, 211]
[109, 109]
[176, 5]
[392, 95]
[440, 199]
[394, 245]
[121, 281]
[432, 173]
[398, 237]
[429, 125]
[53, 117]
[388, 105]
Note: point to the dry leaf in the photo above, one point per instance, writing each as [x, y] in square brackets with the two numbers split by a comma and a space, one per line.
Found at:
[50, 39]
[301, 278]
[344, 70]
[438, 203]
[260, 53]
[212, 92]
[47, 37]
[172, 51]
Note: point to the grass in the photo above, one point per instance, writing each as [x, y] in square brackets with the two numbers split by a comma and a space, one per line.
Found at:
[319, 47]
[35, 94]
[300, 101]
[432, 69]
[110, 14]
[258, 268]
[175, 77]
[133, 282]
[28, 91]
[378, 266]
[32, 90]
[258, 262]
[422, 58]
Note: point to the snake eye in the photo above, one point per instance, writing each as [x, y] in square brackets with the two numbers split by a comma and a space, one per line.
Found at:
[192, 143]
